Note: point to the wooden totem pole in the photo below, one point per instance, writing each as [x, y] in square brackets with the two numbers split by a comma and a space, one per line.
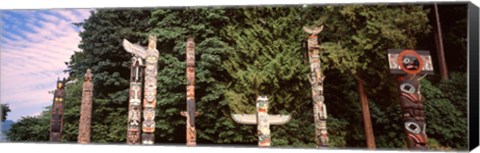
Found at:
[409, 65]
[191, 113]
[150, 54]
[86, 109]
[316, 80]
[263, 120]
[135, 99]
[56, 121]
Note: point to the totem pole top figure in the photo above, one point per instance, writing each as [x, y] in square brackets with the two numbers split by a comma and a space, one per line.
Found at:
[60, 83]
[313, 39]
[140, 51]
[88, 76]
[313, 31]
[262, 119]
[152, 42]
[59, 92]
[410, 62]
[262, 106]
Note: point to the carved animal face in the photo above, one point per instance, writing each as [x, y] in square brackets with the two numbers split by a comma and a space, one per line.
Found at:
[262, 105]
[410, 62]
[59, 85]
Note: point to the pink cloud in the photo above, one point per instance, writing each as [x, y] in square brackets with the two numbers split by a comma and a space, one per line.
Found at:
[49, 18]
[71, 15]
[84, 13]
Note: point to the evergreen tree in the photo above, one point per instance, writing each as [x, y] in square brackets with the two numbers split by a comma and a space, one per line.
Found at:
[5, 109]
[102, 51]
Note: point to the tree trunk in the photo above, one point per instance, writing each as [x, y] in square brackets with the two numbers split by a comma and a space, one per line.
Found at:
[366, 115]
[439, 45]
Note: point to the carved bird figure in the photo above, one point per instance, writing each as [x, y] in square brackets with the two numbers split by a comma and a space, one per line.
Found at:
[313, 31]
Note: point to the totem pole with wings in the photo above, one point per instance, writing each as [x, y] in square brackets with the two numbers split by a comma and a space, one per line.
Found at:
[150, 54]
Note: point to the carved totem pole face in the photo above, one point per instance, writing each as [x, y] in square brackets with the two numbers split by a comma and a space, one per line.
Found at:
[409, 62]
[59, 85]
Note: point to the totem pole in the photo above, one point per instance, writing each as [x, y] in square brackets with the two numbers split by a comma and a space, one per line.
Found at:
[411, 66]
[191, 113]
[135, 97]
[316, 80]
[86, 109]
[150, 54]
[262, 119]
[56, 121]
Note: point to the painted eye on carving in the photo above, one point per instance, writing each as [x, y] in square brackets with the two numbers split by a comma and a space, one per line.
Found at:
[412, 127]
[151, 59]
[407, 87]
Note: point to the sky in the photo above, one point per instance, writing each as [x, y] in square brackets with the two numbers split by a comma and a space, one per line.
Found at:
[34, 46]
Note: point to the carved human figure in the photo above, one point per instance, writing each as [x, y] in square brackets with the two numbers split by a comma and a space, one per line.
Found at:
[56, 120]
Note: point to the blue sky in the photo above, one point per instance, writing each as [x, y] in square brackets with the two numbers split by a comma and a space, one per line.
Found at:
[34, 46]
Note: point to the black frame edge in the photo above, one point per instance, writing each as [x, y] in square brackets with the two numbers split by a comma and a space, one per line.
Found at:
[473, 75]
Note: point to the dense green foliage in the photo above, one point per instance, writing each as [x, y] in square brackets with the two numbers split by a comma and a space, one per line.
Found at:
[245, 52]
[31, 129]
[173, 27]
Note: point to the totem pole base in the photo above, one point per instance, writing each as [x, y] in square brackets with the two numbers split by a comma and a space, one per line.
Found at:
[191, 144]
[148, 138]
